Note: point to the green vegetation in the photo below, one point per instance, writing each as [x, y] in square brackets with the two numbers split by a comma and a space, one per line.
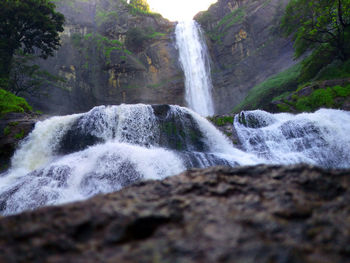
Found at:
[322, 27]
[31, 26]
[225, 23]
[264, 92]
[104, 45]
[335, 71]
[137, 37]
[317, 24]
[11, 103]
[103, 17]
[140, 7]
[19, 135]
[330, 97]
[221, 121]
[7, 130]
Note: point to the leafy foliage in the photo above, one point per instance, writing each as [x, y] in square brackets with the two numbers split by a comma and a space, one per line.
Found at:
[141, 5]
[311, 65]
[325, 98]
[28, 27]
[27, 77]
[137, 37]
[315, 23]
[335, 71]
[11, 103]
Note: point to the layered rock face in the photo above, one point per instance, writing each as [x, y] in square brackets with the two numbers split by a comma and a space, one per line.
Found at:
[247, 214]
[246, 46]
[112, 53]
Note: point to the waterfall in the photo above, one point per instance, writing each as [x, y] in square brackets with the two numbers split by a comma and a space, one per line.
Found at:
[74, 157]
[195, 63]
[320, 138]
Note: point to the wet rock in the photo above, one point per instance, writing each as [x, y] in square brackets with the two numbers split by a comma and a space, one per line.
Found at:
[14, 127]
[248, 214]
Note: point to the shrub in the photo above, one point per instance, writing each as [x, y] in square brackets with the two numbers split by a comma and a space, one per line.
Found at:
[11, 103]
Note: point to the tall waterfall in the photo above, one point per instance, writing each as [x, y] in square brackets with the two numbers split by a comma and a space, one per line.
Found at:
[195, 62]
[75, 157]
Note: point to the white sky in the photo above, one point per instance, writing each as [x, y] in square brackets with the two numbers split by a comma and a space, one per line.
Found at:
[178, 10]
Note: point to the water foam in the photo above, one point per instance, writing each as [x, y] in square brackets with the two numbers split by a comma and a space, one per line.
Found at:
[320, 138]
[74, 157]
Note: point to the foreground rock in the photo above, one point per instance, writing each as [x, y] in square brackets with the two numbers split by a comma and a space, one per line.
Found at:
[249, 214]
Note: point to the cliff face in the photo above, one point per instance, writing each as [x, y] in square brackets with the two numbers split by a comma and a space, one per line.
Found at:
[250, 214]
[112, 53]
[246, 46]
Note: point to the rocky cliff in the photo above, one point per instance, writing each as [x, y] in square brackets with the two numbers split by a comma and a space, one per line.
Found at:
[246, 46]
[112, 53]
[249, 214]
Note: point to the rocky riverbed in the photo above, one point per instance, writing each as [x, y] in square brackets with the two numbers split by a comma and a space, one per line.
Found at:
[248, 214]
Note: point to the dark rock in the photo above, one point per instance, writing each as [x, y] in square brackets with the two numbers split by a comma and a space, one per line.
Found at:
[178, 130]
[101, 66]
[248, 214]
[14, 127]
[246, 47]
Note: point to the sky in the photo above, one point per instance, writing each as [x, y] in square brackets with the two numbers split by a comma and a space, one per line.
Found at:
[178, 10]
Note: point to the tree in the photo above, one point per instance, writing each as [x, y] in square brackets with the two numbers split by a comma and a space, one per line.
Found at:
[140, 5]
[27, 78]
[319, 24]
[31, 26]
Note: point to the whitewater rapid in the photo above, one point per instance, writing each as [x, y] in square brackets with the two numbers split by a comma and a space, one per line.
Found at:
[320, 138]
[75, 157]
[195, 62]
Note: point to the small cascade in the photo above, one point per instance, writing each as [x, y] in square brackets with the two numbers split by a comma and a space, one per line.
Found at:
[320, 138]
[194, 58]
[75, 157]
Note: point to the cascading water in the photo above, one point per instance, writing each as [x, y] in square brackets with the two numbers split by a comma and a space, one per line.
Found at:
[320, 138]
[75, 157]
[194, 58]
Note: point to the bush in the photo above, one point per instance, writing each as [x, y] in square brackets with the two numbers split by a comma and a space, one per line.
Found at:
[11, 103]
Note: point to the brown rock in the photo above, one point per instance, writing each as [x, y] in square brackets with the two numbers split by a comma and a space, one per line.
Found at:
[248, 214]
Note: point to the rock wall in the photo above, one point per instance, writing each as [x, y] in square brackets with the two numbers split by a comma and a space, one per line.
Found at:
[112, 53]
[250, 214]
[246, 46]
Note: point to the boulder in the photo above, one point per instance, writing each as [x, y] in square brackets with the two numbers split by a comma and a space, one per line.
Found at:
[247, 214]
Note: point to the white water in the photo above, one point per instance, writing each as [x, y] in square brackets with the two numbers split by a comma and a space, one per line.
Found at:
[194, 58]
[320, 138]
[75, 157]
